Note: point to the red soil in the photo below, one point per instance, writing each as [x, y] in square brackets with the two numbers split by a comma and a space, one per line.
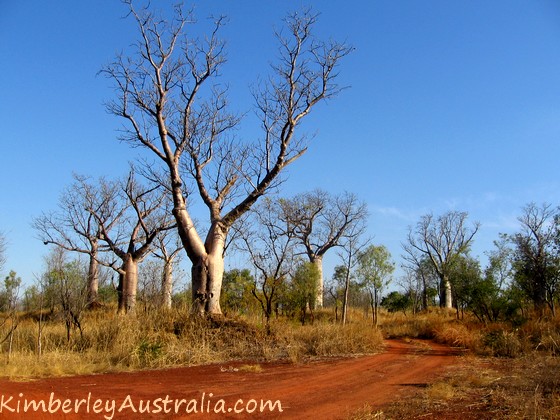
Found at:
[327, 389]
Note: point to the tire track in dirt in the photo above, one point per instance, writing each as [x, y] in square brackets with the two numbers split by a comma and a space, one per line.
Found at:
[327, 389]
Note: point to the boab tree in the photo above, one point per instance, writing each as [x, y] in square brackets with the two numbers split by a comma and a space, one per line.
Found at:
[76, 226]
[322, 221]
[441, 240]
[172, 108]
[142, 219]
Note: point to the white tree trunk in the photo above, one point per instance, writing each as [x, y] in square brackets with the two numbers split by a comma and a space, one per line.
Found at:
[318, 262]
[93, 276]
[448, 296]
[167, 284]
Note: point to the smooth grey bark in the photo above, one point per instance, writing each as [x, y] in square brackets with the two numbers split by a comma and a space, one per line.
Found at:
[167, 284]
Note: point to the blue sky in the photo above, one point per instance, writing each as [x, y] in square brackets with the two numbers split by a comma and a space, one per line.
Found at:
[452, 105]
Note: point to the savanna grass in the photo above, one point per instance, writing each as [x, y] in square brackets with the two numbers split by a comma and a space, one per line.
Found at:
[167, 338]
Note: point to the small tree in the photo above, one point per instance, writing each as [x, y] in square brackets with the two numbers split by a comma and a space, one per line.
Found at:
[467, 283]
[12, 284]
[396, 301]
[335, 288]
[32, 298]
[68, 280]
[374, 270]
[303, 289]
[348, 253]
[413, 288]
[269, 243]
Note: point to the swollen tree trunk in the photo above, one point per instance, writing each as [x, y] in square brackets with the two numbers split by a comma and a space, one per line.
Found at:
[446, 298]
[167, 284]
[207, 275]
[317, 261]
[93, 276]
[128, 285]
[208, 271]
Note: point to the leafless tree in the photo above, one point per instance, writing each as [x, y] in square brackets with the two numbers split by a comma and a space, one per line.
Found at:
[67, 281]
[167, 248]
[83, 208]
[441, 240]
[349, 250]
[419, 267]
[143, 218]
[322, 222]
[412, 286]
[172, 108]
[269, 241]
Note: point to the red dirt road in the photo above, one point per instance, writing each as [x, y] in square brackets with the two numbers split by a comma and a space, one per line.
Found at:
[323, 390]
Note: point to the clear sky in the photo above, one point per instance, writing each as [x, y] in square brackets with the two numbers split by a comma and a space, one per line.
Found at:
[453, 105]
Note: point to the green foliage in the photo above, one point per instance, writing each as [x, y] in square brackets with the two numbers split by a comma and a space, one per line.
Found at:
[32, 298]
[536, 255]
[149, 352]
[396, 301]
[302, 291]
[374, 270]
[236, 291]
[375, 267]
[107, 294]
[10, 292]
[485, 295]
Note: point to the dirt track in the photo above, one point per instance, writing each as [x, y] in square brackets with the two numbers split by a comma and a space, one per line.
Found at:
[320, 390]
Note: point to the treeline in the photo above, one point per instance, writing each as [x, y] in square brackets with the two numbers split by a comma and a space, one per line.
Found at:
[522, 274]
[520, 279]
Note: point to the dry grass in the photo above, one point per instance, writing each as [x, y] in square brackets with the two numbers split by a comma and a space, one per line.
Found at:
[510, 372]
[497, 339]
[172, 338]
[251, 368]
[483, 388]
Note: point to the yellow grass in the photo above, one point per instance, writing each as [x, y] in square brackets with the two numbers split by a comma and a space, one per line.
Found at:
[172, 338]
